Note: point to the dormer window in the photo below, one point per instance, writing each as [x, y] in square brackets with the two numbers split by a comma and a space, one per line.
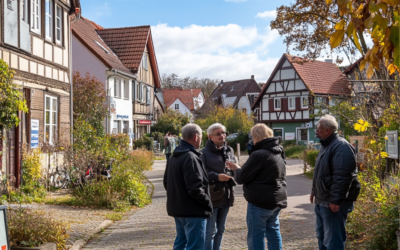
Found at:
[49, 19]
[35, 16]
[101, 46]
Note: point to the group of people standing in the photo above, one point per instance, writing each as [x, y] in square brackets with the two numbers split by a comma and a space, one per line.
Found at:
[200, 187]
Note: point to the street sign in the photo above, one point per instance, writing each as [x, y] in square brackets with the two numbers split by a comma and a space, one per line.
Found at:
[4, 238]
[392, 144]
[34, 133]
[145, 122]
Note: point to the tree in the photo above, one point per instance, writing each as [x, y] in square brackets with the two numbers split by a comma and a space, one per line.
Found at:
[90, 101]
[381, 20]
[171, 121]
[10, 99]
[308, 25]
[234, 120]
[206, 85]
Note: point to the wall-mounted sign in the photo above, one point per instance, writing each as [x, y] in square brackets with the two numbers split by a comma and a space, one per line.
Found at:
[34, 133]
[392, 144]
[289, 136]
[4, 238]
[145, 122]
[123, 116]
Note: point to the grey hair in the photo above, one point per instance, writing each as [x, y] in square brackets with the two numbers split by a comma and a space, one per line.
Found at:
[328, 121]
[190, 130]
[215, 126]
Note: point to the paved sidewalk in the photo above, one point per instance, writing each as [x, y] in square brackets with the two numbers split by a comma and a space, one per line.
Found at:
[152, 228]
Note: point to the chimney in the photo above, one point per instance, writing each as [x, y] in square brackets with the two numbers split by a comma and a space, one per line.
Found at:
[252, 77]
[329, 60]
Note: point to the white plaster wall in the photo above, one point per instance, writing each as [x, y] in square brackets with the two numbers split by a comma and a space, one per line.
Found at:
[84, 61]
[182, 107]
[37, 46]
[244, 103]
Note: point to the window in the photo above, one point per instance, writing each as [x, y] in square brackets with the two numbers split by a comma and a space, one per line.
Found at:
[24, 10]
[116, 127]
[125, 129]
[177, 106]
[144, 94]
[277, 103]
[126, 89]
[292, 103]
[35, 16]
[59, 13]
[244, 110]
[148, 95]
[302, 134]
[51, 119]
[304, 102]
[48, 19]
[117, 88]
[144, 61]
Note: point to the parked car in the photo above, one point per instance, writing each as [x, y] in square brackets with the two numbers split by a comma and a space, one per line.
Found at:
[232, 136]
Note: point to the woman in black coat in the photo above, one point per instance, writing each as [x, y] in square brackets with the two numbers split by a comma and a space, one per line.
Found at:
[264, 184]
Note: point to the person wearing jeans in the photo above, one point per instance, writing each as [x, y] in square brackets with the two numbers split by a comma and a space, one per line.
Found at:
[214, 156]
[188, 197]
[264, 184]
[335, 185]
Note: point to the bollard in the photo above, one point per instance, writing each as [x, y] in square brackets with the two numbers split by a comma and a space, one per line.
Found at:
[238, 150]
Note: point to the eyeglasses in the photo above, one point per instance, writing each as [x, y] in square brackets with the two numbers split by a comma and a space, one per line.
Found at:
[219, 134]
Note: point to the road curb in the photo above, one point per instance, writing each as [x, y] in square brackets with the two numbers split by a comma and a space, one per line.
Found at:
[78, 244]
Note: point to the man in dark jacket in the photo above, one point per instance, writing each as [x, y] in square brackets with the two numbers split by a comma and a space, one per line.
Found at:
[334, 185]
[214, 156]
[188, 197]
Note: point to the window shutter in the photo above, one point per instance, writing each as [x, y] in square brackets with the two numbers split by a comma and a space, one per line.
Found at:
[141, 92]
[134, 90]
[148, 95]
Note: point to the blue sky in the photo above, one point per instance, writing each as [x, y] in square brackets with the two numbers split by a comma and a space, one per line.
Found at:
[221, 39]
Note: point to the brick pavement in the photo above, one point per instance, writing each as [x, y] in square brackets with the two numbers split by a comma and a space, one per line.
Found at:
[152, 228]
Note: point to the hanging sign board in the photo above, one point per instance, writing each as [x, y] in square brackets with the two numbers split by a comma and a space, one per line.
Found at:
[145, 122]
[4, 239]
[34, 133]
[289, 136]
[392, 144]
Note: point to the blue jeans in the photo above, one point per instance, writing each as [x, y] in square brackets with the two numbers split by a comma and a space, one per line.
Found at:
[263, 223]
[215, 228]
[331, 227]
[190, 233]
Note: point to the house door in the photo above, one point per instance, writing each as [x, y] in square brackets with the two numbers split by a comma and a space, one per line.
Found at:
[278, 132]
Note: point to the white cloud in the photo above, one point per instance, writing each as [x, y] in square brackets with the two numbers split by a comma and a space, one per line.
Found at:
[267, 14]
[222, 52]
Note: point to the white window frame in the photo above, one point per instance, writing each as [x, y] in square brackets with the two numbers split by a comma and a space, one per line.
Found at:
[118, 128]
[297, 133]
[125, 83]
[244, 110]
[35, 16]
[123, 127]
[144, 93]
[176, 106]
[148, 95]
[294, 102]
[49, 19]
[302, 102]
[24, 10]
[59, 25]
[145, 66]
[117, 88]
[280, 103]
[51, 123]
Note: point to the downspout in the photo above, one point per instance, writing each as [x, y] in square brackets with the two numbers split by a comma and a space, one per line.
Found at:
[71, 94]
[108, 98]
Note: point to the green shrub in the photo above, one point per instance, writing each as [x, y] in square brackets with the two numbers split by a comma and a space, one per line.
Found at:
[289, 143]
[295, 151]
[144, 142]
[31, 228]
[242, 139]
[311, 157]
[375, 219]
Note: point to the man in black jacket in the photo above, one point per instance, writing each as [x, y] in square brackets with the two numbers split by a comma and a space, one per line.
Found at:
[335, 185]
[214, 156]
[188, 197]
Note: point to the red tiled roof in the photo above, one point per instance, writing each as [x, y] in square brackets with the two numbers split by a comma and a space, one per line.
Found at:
[319, 77]
[129, 44]
[86, 33]
[185, 95]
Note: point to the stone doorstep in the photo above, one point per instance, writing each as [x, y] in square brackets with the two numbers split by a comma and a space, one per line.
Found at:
[46, 246]
[80, 243]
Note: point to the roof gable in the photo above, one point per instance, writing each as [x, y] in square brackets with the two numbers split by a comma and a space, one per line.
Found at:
[319, 77]
[185, 95]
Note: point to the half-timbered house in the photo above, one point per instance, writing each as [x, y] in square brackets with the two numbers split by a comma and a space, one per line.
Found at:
[286, 102]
